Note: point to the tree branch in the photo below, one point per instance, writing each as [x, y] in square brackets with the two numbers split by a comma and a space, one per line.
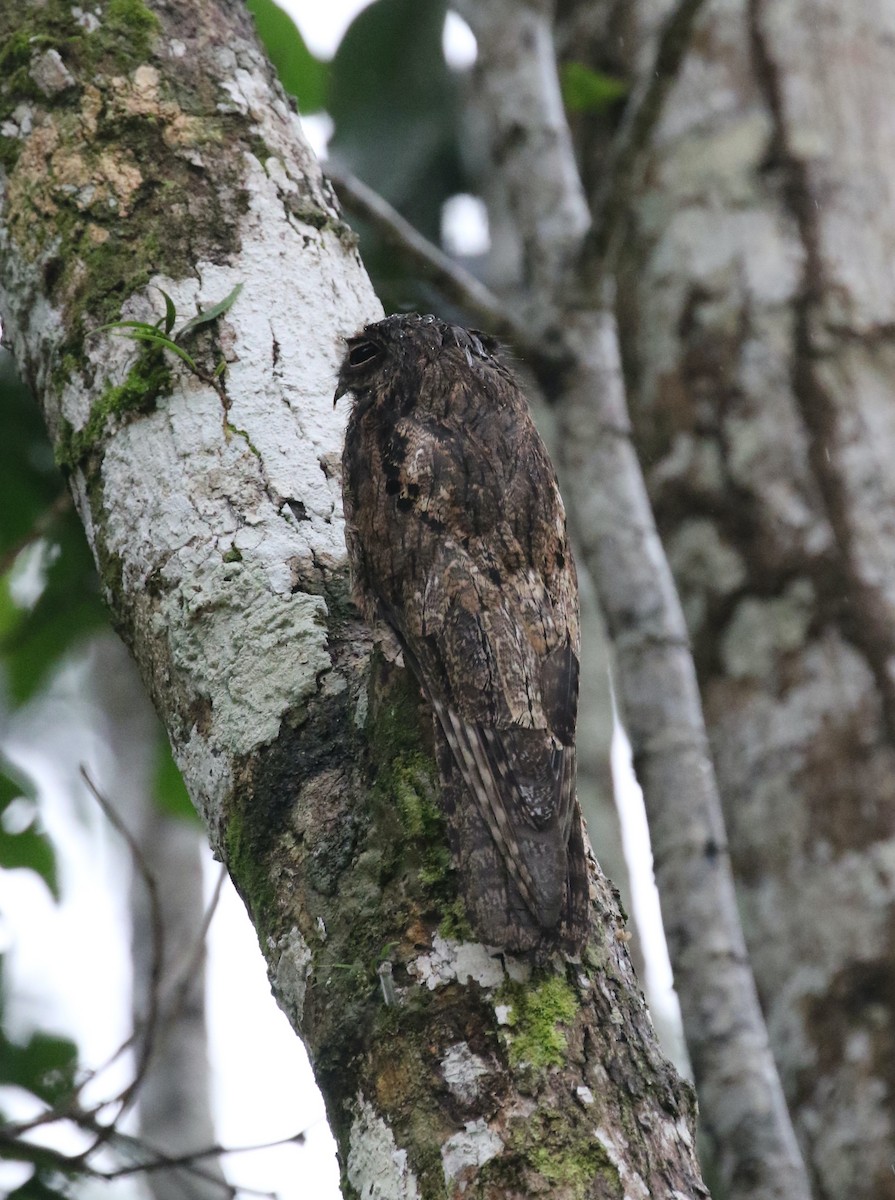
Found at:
[629, 148]
[146, 1035]
[456, 284]
[742, 1105]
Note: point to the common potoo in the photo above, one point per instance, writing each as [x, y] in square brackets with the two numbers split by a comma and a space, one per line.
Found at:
[457, 541]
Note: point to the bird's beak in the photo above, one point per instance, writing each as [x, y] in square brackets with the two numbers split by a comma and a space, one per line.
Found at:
[340, 392]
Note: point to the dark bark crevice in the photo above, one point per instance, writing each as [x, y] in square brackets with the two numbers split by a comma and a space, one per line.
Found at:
[861, 612]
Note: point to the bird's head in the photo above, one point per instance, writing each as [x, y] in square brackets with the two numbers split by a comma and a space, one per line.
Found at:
[407, 341]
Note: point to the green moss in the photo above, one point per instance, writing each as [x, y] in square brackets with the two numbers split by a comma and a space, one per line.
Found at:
[405, 785]
[393, 728]
[411, 785]
[233, 555]
[537, 1012]
[249, 868]
[148, 378]
[123, 39]
[132, 24]
[554, 1150]
[234, 429]
[319, 218]
[455, 923]
[122, 202]
[559, 1145]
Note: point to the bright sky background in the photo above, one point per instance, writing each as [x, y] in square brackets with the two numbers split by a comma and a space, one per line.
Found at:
[70, 962]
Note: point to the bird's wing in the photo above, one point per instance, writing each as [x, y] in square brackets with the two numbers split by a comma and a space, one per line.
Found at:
[503, 682]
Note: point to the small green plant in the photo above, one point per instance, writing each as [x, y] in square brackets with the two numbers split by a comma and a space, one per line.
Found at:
[163, 334]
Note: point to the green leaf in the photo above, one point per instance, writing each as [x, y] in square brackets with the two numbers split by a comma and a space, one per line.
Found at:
[30, 848]
[210, 314]
[395, 104]
[138, 326]
[152, 337]
[33, 851]
[11, 614]
[585, 90]
[169, 789]
[170, 312]
[36, 1188]
[13, 784]
[301, 73]
[45, 1065]
[68, 608]
[29, 478]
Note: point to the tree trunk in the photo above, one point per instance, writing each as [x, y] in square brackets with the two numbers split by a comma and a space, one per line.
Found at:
[153, 147]
[757, 312]
[567, 251]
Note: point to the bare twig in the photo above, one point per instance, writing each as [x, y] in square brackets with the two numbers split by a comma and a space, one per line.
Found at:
[146, 1035]
[148, 1159]
[182, 974]
[163, 1161]
[628, 151]
[456, 284]
[71, 1109]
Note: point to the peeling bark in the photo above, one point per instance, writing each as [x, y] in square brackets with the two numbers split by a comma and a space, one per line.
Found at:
[153, 149]
[757, 312]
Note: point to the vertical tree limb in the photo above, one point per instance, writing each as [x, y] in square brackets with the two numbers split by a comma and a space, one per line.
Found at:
[742, 1104]
[764, 408]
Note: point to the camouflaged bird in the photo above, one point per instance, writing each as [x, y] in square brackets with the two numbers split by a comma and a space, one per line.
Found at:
[457, 540]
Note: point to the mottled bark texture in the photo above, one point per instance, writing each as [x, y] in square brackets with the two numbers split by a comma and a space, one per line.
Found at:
[757, 308]
[743, 1112]
[150, 145]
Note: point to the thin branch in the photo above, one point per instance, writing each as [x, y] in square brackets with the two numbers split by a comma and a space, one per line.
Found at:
[150, 1025]
[628, 151]
[163, 1003]
[163, 1161]
[455, 283]
[181, 977]
[148, 1158]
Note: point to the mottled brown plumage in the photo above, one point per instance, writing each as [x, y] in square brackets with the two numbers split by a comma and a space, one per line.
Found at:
[457, 541]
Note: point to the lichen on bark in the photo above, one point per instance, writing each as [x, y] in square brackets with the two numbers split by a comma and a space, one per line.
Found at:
[757, 311]
[173, 161]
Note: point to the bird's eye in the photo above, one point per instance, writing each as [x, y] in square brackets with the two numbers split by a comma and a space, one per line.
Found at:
[363, 353]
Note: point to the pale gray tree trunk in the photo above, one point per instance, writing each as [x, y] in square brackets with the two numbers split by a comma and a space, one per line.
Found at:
[173, 1098]
[164, 153]
[757, 310]
[566, 244]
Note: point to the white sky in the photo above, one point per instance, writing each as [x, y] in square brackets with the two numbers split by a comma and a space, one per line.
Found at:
[70, 964]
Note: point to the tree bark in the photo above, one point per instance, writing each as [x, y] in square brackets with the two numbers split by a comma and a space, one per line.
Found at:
[153, 149]
[757, 311]
[744, 1115]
